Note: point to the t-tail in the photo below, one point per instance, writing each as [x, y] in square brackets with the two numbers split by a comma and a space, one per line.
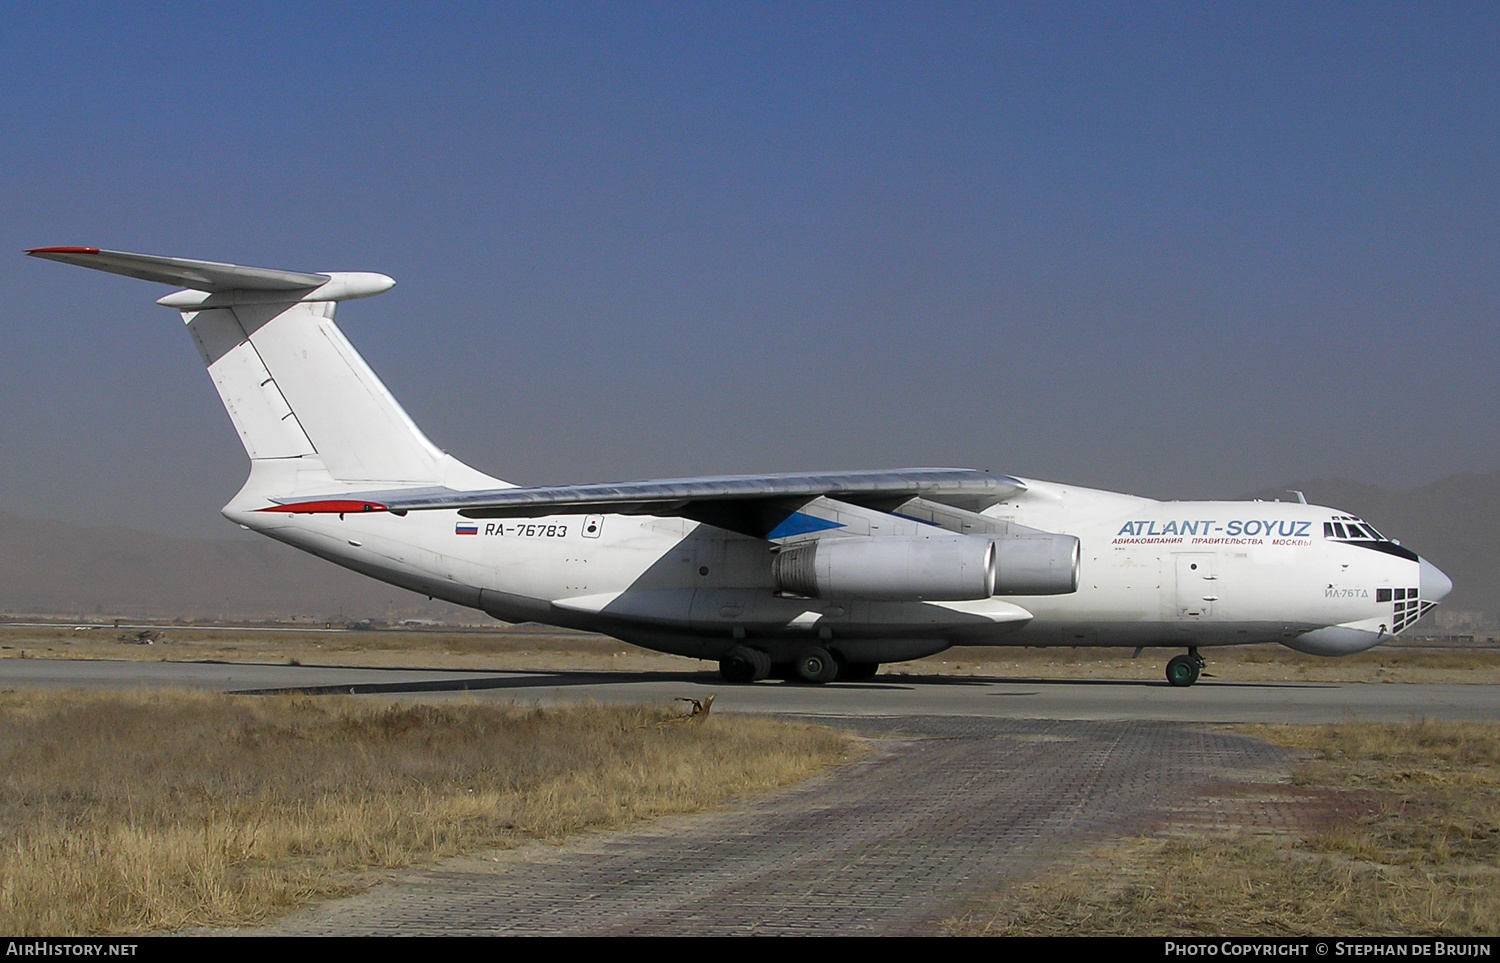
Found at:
[312, 415]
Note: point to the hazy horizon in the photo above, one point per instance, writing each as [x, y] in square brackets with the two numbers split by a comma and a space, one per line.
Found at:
[55, 567]
[1277, 490]
[61, 567]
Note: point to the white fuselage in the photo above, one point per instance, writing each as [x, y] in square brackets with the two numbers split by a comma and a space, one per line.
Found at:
[1150, 573]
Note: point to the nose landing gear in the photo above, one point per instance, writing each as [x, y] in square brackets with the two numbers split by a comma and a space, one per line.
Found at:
[1183, 670]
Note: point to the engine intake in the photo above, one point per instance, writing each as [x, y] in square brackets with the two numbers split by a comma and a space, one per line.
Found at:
[947, 568]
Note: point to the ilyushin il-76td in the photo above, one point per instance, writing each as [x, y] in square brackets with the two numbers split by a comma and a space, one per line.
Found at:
[815, 576]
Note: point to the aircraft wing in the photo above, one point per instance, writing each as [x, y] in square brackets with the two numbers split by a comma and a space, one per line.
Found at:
[748, 503]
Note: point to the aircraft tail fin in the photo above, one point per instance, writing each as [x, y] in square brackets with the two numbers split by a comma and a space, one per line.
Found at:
[307, 407]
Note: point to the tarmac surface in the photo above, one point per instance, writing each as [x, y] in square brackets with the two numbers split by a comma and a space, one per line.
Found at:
[972, 782]
[1210, 701]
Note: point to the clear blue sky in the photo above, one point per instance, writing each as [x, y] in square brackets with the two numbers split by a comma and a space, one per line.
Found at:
[1181, 249]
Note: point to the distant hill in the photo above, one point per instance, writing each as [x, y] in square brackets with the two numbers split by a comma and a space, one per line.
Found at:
[57, 569]
[53, 568]
[1453, 523]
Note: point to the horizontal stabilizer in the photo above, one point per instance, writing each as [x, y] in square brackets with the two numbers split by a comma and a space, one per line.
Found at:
[293, 385]
[210, 276]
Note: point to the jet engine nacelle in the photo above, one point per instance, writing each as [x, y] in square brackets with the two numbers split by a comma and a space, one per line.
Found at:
[947, 568]
[1036, 565]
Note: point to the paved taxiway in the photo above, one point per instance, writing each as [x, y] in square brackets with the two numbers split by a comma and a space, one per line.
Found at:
[1211, 701]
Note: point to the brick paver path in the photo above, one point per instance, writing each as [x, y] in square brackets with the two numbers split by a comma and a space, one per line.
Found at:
[943, 810]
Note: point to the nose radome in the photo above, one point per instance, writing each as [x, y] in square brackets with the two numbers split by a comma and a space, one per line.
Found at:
[1433, 585]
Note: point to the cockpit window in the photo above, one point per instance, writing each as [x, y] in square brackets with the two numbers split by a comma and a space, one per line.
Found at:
[1347, 527]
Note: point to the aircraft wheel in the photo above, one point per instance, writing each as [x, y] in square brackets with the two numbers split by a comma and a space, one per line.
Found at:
[741, 665]
[858, 671]
[816, 665]
[1182, 670]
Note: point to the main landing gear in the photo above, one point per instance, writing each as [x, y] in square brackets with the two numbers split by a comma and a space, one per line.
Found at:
[1183, 670]
[744, 664]
[813, 664]
[816, 664]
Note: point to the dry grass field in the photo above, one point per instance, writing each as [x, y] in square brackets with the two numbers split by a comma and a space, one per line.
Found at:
[540, 649]
[129, 813]
[502, 648]
[1403, 839]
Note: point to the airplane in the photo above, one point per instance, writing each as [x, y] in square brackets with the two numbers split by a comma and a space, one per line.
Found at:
[811, 576]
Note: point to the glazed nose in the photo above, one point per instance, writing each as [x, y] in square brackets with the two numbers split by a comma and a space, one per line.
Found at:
[1433, 585]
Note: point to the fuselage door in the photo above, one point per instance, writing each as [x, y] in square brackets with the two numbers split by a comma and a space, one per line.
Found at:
[1197, 587]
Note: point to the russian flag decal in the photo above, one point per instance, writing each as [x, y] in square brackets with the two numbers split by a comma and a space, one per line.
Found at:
[466, 528]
